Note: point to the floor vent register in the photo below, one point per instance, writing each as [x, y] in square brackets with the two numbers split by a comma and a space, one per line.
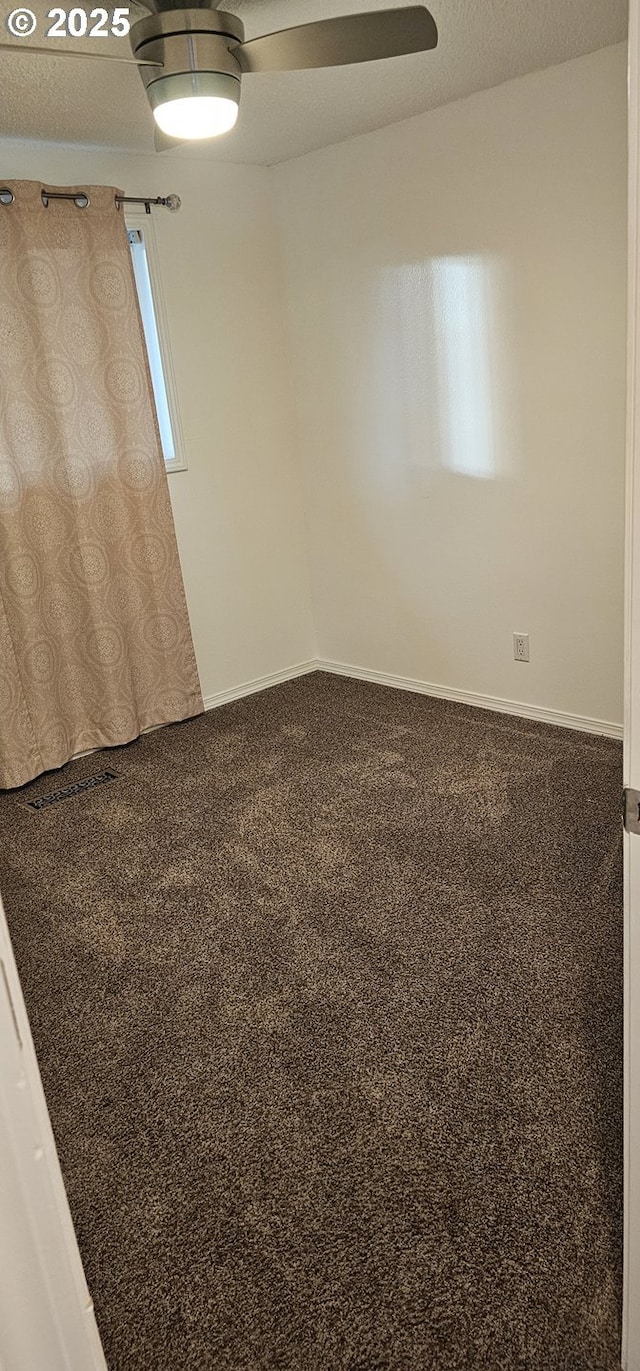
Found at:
[43, 801]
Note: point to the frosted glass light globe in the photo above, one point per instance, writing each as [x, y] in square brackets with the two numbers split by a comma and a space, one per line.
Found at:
[196, 116]
[194, 104]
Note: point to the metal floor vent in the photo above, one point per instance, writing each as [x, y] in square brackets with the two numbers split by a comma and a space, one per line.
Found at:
[68, 790]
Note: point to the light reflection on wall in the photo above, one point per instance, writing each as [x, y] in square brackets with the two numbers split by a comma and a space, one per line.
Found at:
[441, 361]
[462, 305]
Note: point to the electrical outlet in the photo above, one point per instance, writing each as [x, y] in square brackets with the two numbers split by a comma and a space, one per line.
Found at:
[521, 647]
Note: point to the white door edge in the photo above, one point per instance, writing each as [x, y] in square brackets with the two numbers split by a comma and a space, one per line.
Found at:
[631, 1277]
[46, 1312]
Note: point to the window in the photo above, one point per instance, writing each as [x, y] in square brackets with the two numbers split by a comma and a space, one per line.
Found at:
[144, 259]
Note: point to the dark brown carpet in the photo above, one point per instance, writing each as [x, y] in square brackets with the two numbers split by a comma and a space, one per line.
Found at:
[326, 989]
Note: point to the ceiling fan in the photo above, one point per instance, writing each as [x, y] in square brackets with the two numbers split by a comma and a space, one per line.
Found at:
[192, 58]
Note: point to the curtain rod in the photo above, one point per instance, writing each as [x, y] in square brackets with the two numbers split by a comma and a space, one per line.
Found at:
[170, 202]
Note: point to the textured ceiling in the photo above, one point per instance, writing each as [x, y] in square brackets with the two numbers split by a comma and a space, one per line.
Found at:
[482, 43]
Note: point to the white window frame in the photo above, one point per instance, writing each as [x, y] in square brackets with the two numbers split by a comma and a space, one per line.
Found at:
[143, 222]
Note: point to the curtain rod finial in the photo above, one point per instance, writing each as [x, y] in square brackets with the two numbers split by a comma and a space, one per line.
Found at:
[173, 202]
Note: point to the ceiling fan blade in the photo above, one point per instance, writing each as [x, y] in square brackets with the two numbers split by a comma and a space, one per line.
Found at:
[73, 52]
[163, 143]
[348, 38]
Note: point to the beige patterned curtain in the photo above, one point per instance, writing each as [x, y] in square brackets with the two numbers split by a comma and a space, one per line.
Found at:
[95, 643]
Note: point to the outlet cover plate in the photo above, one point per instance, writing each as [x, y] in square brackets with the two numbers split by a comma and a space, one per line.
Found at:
[521, 647]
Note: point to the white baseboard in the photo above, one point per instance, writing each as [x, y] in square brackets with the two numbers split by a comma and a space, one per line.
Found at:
[224, 697]
[466, 697]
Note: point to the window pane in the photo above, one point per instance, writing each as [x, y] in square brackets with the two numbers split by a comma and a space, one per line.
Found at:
[143, 283]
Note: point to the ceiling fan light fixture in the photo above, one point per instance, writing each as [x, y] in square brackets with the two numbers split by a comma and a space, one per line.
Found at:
[195, 105]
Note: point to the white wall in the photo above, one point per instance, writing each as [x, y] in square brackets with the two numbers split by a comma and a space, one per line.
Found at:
[455, 290]
[456, 298]
[238, 507]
